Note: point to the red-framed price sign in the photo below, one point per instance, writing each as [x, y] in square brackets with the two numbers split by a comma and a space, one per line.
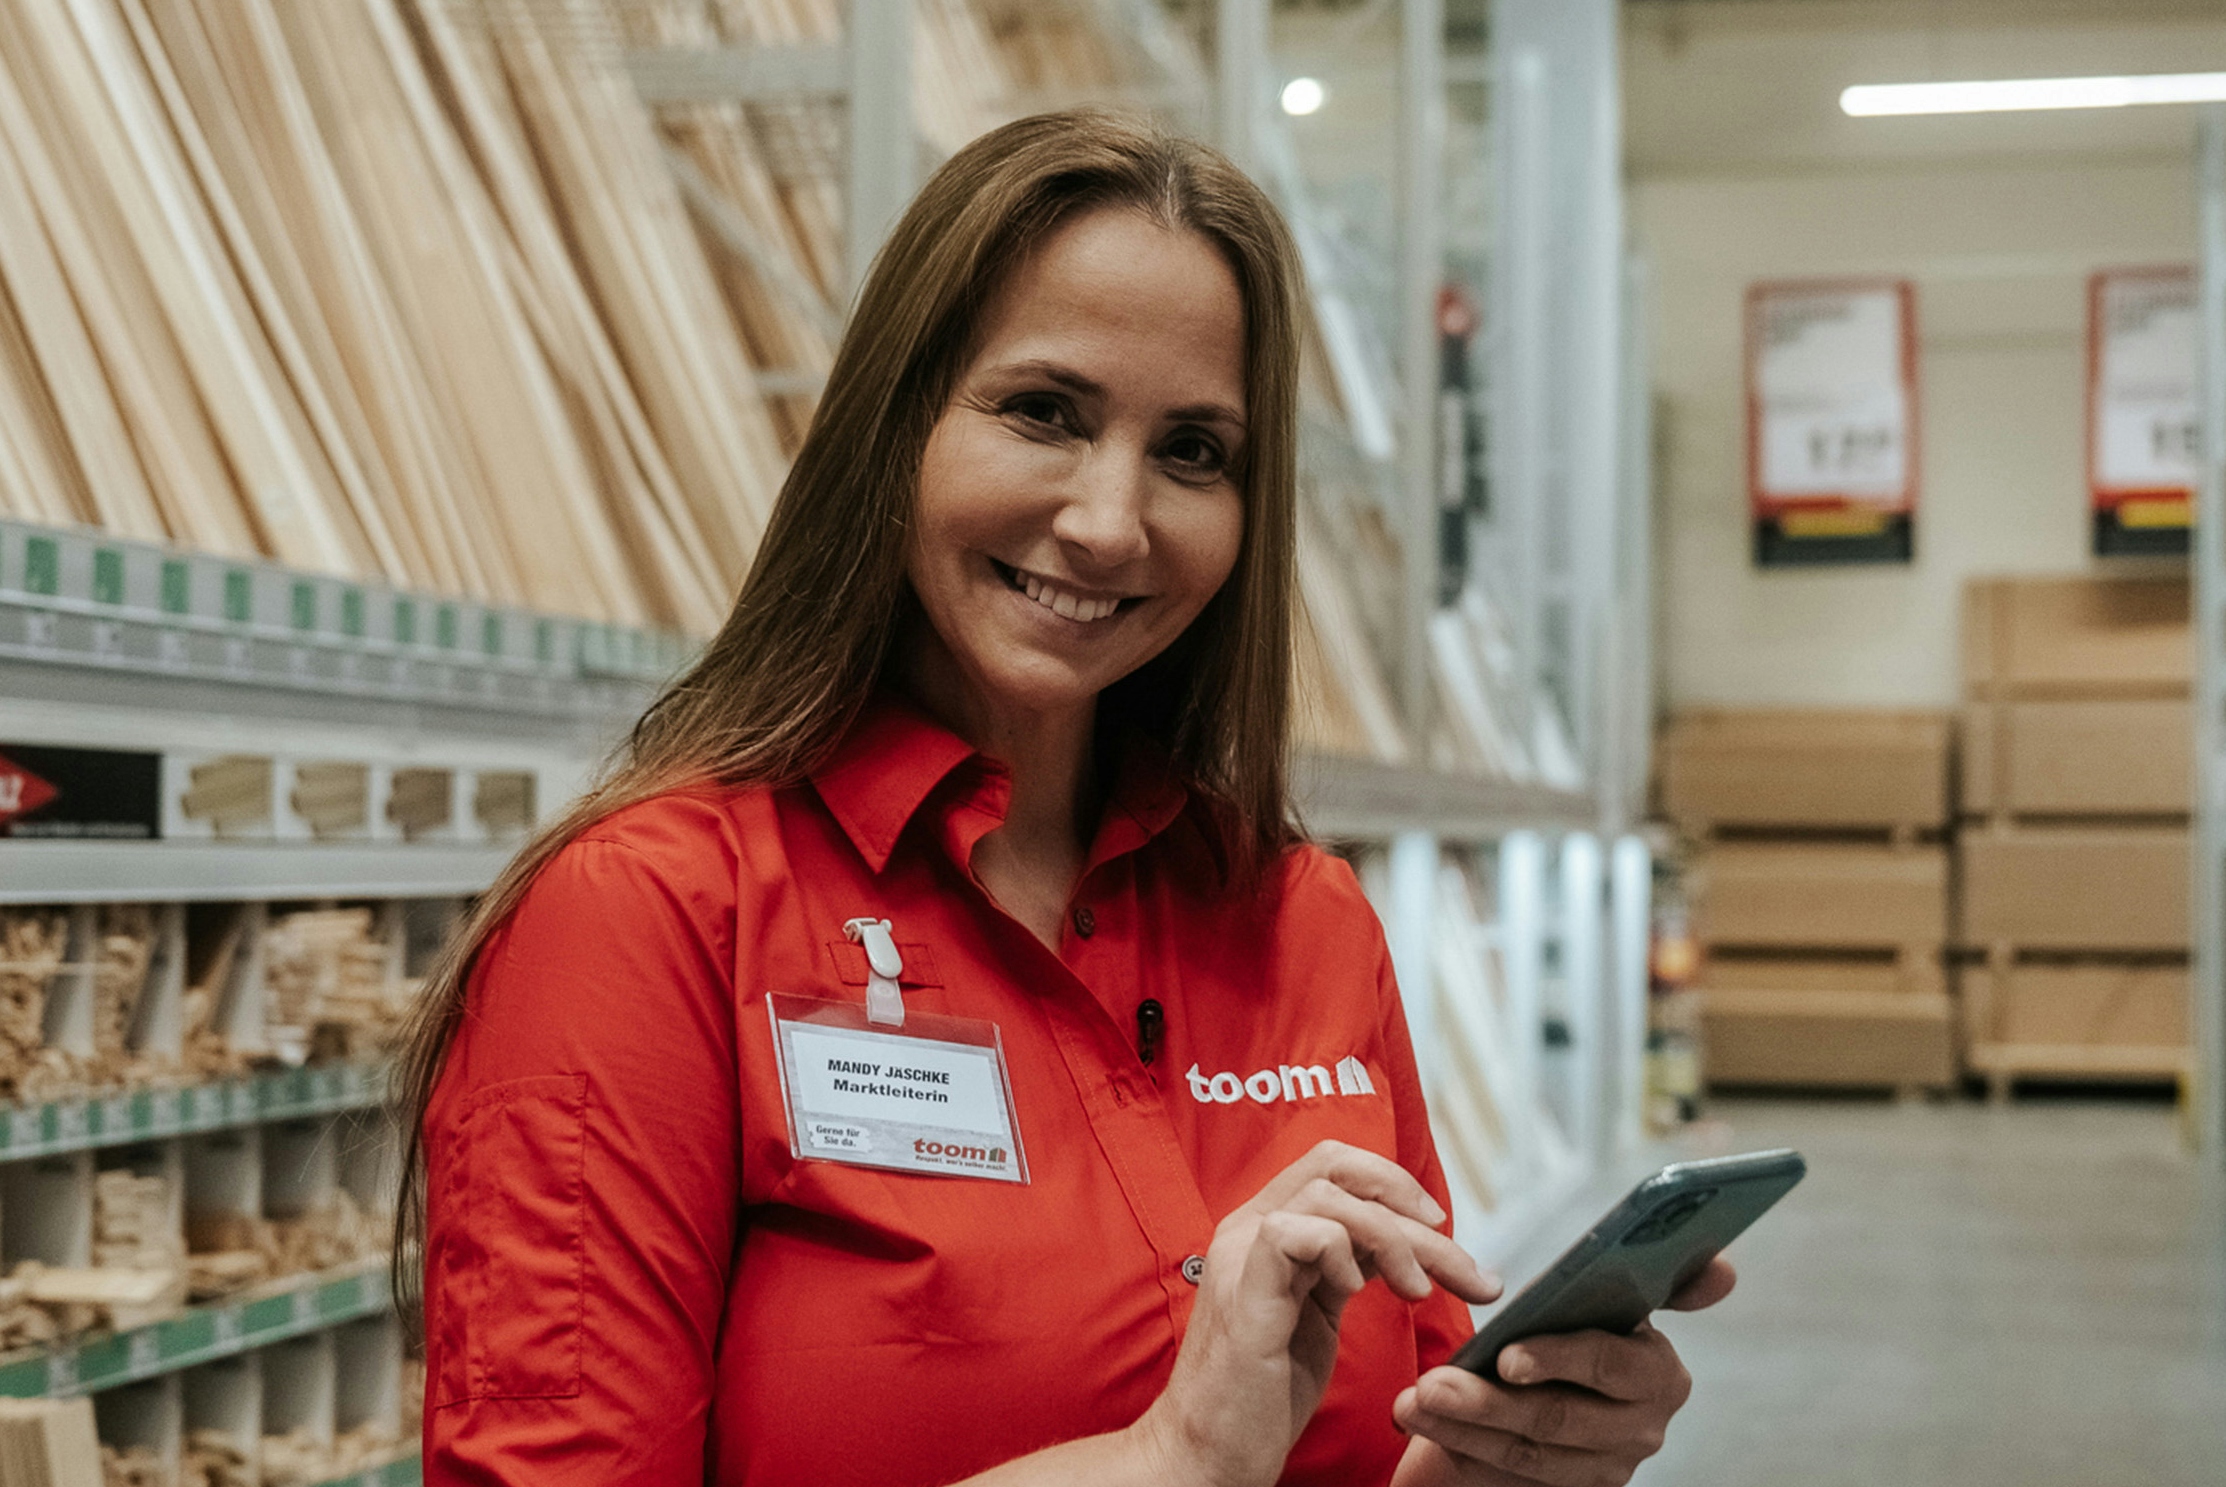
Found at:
[2143, 438]
[1832, 428]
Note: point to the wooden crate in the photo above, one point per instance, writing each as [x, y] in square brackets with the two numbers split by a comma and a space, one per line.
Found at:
[1806, 770]
[2077, 757]
[2076, 637]
[2076, 1019]
[1826, 896]
[2087, 888]
[1828, 1038]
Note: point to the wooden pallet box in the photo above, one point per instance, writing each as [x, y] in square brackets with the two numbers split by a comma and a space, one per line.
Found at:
[2076, 888]
[2091, 756]
[2092, 1005]
[1828, 1038]
[1825, 896]
[2038, 637]
[1806, 769]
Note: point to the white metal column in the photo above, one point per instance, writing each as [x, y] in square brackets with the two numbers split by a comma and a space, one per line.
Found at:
[1421, 272]
[1583, 906]
[1631, 939]
[1240, 61]
[883, 154]
[2208, 978]
[1411, 935]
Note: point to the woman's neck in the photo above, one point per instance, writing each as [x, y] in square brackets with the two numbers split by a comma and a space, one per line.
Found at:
[1029, 864]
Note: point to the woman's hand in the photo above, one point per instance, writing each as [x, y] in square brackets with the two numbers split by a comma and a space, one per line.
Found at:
[1579, 1409]
[1263, 1337]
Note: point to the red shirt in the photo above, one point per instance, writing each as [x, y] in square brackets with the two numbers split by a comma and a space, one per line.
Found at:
[630, 1279]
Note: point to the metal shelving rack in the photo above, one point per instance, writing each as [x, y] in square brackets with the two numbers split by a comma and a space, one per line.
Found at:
[1565, 557]
[131, 647]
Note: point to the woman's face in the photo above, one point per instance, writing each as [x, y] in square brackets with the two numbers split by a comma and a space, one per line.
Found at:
[1077, 506]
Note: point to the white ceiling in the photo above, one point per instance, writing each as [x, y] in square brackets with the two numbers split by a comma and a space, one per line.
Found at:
[1739, 87]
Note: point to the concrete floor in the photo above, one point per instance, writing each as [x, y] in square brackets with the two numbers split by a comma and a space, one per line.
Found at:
[2032, 1295]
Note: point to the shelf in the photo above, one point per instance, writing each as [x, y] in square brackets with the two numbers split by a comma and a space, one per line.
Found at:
[68, 872]
[151, 1115]
[1361, 799]
[84, 599]
[272, 1313]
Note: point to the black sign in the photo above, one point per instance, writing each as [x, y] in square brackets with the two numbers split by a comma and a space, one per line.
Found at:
[79, 794]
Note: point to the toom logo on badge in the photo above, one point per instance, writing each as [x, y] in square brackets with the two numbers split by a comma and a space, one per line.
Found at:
[1291, 1082]
[21, 792]
[993, 1155]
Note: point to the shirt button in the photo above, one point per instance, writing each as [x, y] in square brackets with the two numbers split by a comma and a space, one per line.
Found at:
[1194, 1269]
[1085, 922]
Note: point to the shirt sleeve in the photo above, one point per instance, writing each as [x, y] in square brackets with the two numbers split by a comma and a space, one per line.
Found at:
[583, 1180]
[1441, 1322]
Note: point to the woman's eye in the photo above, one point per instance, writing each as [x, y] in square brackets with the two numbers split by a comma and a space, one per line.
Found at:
[1040, 408]
[1196, 454]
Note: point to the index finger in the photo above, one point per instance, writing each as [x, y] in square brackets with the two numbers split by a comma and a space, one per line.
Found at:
[1362, 1173]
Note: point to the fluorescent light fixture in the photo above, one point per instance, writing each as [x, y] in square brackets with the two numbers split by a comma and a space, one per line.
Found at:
[1303, 95]
[2012, 95]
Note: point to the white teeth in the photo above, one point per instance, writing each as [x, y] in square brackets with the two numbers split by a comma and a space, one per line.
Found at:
[1064, 604]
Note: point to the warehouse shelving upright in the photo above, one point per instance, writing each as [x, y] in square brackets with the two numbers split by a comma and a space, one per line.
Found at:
[2208, 559]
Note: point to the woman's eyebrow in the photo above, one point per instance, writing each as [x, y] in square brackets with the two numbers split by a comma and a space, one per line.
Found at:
[1075, 382]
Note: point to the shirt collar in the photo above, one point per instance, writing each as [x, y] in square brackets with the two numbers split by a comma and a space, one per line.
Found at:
[896, 756]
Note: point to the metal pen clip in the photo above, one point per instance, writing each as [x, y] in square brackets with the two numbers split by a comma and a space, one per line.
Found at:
[884, 999]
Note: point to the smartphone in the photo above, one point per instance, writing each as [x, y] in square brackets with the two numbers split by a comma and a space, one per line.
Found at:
[1659, 1237]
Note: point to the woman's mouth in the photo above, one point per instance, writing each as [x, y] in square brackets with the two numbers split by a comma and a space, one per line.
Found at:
[1066, 603]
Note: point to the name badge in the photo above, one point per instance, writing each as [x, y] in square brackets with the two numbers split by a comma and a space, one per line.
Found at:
[930, 1096]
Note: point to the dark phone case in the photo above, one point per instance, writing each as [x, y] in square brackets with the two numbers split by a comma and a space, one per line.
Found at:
[1659, 1237]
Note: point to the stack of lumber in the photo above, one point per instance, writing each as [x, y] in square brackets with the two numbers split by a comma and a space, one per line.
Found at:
[419, 290]
[212, 1459]
[299, 1459]
[132, 1224]
[122, 952]
[25, 1322]
[1823, 893]
[32, 944]
[374, 287]
[326, 966]
[49, 1443]
[337, 1231]
[2076, 791]
[132, 1466]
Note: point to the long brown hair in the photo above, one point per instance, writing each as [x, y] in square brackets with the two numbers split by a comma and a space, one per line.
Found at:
[813, 627]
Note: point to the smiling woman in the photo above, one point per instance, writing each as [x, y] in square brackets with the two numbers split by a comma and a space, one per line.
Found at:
[985, 771]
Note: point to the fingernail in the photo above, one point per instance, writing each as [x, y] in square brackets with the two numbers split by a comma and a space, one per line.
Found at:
[1515, 1367]
[1432, 1211]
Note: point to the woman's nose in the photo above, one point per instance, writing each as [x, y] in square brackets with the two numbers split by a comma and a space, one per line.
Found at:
[1103, 514]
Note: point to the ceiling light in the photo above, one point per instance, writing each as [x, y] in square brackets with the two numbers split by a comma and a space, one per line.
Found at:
[2011, 95]
[1303, 95]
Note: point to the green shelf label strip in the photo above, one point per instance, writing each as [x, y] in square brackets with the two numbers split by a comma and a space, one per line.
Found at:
[152, 1114]
[201, 1334]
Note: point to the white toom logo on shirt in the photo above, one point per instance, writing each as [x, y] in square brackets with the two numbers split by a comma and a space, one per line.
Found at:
[1285, 1082]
